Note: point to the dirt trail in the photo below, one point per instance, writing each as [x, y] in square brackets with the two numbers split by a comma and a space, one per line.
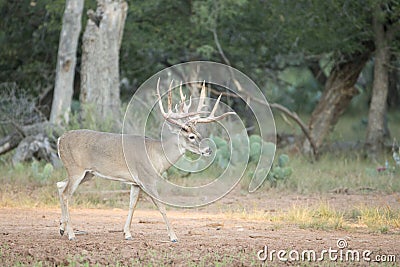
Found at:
[205, 236]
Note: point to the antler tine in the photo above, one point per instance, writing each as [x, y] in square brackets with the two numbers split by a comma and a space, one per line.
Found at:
[159, 99]
[170, 116]
[202, 96]
[211, 117]
[215, 107]
[183, 98]
[167, 116]
[183, 107]
[170, 97]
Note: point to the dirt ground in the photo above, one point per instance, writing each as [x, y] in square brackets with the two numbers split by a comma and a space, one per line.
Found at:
[207, 236]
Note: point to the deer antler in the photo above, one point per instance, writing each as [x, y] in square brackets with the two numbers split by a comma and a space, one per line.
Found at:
[184, 108]
[171, 116]
[183, 111]
[202, 97]
[211, 117]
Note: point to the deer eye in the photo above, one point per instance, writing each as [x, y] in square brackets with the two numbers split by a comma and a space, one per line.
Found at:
[192, 137]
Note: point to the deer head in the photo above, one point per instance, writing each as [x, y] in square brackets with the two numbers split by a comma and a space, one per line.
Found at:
[183, 122]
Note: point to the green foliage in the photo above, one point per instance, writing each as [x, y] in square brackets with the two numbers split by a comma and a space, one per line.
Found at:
[90, 120]
[338, 173]
[255, 139]
[258, 37]
[152, 42]
[19, 167]
[219, 142]
[283, 160]
[29, 173]
[222, 157]
[296, 79]
[28, 42]
[205, 51]
[41, 174]
[255, 147]
[255, 36]
[255, 151]
[280, 171]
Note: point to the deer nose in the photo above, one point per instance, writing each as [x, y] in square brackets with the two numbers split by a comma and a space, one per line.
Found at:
[207, 151]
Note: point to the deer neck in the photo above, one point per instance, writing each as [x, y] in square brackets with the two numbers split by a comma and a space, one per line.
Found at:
[169, 152]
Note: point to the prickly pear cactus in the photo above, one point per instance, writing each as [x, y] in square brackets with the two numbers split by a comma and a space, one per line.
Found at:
[280, 171]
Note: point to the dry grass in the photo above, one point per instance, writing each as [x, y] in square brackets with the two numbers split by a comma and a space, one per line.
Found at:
[324, 217]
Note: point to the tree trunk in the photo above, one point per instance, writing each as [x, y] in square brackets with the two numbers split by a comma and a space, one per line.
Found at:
[66, 61]
[338, 92]
[376, 127]
[100, 58]
[393, 99]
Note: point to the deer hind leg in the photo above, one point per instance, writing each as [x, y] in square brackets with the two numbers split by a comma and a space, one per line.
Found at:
[65, 190]
[134, 195]
[161, 209]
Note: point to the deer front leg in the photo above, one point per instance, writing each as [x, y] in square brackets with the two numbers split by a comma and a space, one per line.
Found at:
[65, 224]
[161, 208]
[61, 187]
[134, 195]
[65, 191]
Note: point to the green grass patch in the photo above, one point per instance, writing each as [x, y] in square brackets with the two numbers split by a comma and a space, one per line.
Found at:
[350, 127]
[354, 174]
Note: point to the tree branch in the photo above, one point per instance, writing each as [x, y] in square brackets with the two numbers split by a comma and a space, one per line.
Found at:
[279, 107]
[302, 125]
[247, 96]
[220, 50]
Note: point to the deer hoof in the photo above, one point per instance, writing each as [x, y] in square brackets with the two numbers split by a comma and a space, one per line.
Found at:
[174, 240]
[61, 232]
[128, 238]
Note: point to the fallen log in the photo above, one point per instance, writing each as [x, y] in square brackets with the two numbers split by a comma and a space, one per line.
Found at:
[36, 147]
[37, 141]
[10, 142]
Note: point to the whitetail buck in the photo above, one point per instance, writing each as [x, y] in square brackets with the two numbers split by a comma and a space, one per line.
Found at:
[86, 153]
